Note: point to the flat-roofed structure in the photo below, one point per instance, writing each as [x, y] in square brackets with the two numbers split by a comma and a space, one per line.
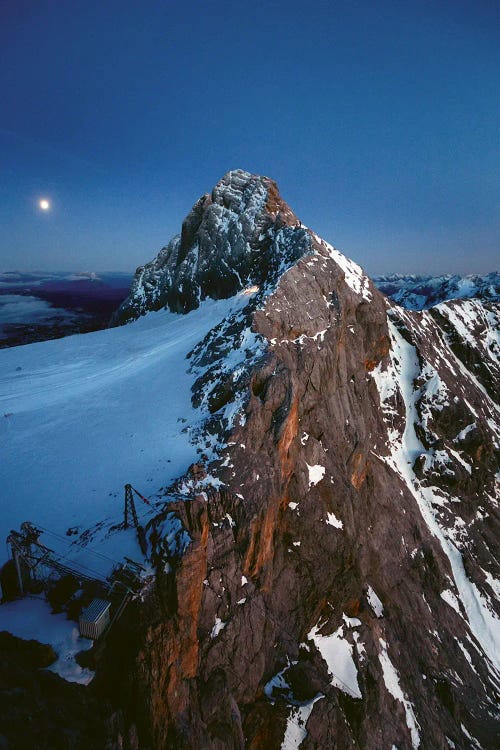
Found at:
[95, 619]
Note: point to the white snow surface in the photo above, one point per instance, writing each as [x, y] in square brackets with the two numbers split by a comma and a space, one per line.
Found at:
[316, 474]
[391, 680]
[295, 732]
[463, 433]
[375, 602]
[218, 626]
[31, 619]
[419, 292]
[450, 598]
[337, 653]
[83, 415]
[471, 313]
[355, 278]
[332, 520]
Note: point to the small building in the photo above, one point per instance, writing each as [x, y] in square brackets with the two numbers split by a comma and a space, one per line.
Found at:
[95, 619]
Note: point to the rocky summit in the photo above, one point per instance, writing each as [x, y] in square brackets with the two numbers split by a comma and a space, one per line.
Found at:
[240, 234]
[326, 570]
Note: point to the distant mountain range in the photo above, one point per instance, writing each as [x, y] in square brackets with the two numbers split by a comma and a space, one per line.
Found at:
[46, 305]
[422, 292]
[36, 306]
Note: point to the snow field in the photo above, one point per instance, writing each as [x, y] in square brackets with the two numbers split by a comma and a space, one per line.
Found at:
[83, 415]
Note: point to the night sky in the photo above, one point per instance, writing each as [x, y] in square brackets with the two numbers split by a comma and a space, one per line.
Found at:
[379, 121]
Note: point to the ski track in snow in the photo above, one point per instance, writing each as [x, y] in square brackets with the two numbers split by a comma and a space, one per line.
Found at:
[88, 413]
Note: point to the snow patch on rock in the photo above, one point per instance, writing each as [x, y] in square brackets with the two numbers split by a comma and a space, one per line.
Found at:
[332, 520]
[31, 619]
[405, 447]
[296, 732]
[391, 680]
[316, 474]
[354, 276]
[337, 653]
[374, 602]
[219, 625]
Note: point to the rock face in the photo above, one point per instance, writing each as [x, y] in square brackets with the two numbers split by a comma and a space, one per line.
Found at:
[332, 581]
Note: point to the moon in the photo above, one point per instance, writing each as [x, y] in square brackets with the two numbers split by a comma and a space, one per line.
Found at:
[44, 204]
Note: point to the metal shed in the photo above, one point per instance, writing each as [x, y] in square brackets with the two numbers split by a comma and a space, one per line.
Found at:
[95, 618]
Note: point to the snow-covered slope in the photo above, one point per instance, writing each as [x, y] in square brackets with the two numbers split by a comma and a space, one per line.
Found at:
[32, 619]
[84, 415]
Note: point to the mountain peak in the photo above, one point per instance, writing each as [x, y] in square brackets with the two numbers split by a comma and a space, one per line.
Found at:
[240, 190]
[241, 234]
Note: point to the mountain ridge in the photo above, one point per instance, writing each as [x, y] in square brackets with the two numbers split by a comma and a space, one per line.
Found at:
[327, 577]
[430, 446]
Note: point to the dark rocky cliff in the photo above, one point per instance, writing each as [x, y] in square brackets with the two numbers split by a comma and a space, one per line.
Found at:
[339, 591]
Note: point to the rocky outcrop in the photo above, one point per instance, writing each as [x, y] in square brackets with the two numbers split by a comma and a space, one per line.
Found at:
[338, 588]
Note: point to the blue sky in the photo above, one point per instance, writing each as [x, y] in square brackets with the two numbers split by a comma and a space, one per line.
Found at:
[379, 121]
